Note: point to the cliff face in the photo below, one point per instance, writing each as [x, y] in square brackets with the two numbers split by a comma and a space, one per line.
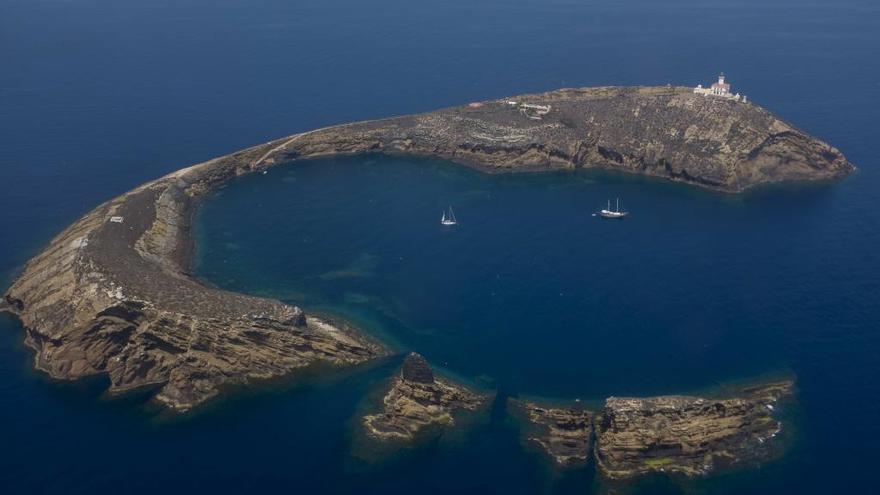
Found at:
[112, 293]
[417, 400]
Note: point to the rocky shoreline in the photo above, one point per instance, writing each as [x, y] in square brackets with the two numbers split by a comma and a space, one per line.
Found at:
[113, 295]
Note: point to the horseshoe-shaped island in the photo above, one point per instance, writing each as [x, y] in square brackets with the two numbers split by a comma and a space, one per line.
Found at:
[112, 294]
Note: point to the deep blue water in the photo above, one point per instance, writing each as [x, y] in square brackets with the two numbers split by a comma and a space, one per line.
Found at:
[529, 293]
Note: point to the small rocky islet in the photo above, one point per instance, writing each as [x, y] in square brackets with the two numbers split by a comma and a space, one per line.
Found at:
[113, 294]
[416, 400]
[685, 435]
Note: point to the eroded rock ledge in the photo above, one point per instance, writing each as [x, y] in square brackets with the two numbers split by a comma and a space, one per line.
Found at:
[565, 434]
[112, 293]
[671, 434]
[417, 400]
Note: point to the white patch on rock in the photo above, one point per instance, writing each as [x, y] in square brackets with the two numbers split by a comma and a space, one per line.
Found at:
[79, 242]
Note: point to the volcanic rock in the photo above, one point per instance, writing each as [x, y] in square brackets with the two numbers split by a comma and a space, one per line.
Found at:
[417, 400]
[687, 435]
[563, 433]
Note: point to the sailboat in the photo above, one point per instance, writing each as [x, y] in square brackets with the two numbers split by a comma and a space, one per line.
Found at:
[448, 219]
[615, 213]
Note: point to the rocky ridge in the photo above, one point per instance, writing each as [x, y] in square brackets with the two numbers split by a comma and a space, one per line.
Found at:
[112, 295]
[660, 131]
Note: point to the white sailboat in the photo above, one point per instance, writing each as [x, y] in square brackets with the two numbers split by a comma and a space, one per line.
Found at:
[448, 219]
[615, 213]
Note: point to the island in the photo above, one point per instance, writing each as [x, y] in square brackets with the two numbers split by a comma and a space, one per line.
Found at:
[113, 294]
[416, 401]
[685, 435]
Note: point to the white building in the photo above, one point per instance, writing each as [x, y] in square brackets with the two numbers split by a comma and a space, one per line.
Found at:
[720, 89]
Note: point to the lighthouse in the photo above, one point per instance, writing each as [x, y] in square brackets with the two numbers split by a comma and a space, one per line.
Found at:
[720, 89]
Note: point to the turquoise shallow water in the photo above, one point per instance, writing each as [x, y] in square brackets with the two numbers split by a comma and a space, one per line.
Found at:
[529, 295]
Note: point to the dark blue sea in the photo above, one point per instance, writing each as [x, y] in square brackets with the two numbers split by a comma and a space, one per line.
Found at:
[530, 295]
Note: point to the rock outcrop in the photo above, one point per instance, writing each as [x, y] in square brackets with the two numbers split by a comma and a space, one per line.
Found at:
[417, 400]
[686, 435]
[112, 294]
[565, 434]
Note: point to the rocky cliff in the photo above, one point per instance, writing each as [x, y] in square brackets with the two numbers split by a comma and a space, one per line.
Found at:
[112, 293]
[417, 400]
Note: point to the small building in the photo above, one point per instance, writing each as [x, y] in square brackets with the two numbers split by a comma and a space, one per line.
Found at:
[720, 89]
[534, 112]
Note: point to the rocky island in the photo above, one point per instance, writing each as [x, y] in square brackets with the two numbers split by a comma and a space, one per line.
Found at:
[112, 294]
[685, 435]
[417, 400]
